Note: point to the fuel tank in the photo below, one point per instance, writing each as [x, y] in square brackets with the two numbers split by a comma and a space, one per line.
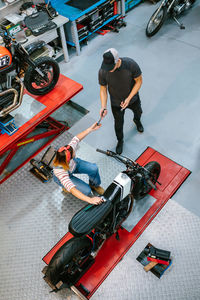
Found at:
[5, 58]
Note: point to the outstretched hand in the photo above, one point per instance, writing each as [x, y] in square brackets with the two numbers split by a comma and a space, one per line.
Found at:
[94, 127]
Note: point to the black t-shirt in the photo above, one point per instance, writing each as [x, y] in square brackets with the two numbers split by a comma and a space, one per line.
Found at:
[121, 81]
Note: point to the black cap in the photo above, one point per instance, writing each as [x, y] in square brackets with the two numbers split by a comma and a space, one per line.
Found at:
[110, 58]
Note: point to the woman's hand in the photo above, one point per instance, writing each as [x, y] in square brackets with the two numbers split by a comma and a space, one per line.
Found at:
[84, 133]
[94, 127]
[95, 200]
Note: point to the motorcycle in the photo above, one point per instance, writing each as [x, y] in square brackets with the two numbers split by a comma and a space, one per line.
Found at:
[94, 224]
[40, 75]
[171, 8]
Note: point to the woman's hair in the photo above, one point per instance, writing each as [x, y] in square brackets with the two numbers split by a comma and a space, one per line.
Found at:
[61, 158]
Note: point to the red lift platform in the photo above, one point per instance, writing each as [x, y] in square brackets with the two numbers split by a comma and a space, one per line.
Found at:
[171, 177]
[64, 90]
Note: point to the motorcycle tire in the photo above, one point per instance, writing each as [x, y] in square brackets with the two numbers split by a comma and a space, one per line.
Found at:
[58, 265]
[143, 188]
[35, 83]
[158, 21]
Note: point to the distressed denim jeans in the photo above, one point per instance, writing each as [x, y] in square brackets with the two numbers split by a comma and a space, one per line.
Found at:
[83, 167]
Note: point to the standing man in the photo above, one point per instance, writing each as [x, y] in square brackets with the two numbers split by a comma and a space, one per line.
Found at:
[122, 78]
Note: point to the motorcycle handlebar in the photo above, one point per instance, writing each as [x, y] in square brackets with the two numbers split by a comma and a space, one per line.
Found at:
[102, 151]
[108, 153]
[120, 158]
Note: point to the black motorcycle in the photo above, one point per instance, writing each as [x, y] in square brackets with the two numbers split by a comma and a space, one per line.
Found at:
[17, 70]
[171, 8]
[93, 224]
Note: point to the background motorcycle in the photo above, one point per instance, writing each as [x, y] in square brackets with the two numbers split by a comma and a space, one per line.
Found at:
[172, 8]
[40, 75]
[93, 224]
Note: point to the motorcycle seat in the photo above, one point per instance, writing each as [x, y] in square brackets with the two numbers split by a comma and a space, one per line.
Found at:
[34, 46]
[88, 218]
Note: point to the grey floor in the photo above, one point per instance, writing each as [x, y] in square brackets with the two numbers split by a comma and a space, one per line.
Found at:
[170, 94]
[35, 216]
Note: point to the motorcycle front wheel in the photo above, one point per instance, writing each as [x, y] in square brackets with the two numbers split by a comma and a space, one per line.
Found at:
[37, 84]
[143, 188]
[156, 21]
[68, 259]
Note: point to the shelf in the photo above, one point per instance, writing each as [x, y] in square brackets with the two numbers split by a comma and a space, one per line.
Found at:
[71, 12]
[90, 33]
[9, 4]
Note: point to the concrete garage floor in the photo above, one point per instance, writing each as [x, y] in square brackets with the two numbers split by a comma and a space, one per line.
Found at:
[34, 216]
[170, 62]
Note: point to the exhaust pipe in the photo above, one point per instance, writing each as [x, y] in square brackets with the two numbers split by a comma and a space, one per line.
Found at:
[16, 102]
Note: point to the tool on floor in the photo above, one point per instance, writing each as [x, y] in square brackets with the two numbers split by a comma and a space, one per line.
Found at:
[158, 253]
[43, 169]
[155, 260]
[150, 266]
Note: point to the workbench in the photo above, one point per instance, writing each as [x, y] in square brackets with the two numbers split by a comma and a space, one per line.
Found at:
[52, 34]
[40, 130]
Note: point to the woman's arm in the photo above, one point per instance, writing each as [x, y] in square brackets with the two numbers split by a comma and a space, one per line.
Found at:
[84, 133]
[81, 196]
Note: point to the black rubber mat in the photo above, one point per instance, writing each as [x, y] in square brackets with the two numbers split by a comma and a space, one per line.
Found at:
[80, 4]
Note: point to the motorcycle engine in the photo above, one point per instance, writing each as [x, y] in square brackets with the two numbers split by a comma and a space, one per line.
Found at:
[7, 81]
[183, 5]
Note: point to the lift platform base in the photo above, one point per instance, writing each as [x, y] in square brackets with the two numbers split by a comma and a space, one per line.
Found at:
[171, 177]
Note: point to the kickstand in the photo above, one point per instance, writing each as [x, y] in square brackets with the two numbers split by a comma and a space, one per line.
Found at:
[179, 24]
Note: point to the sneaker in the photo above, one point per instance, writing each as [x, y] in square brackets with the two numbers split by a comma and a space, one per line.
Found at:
[139, 126]
[119, 147]
[98, 189]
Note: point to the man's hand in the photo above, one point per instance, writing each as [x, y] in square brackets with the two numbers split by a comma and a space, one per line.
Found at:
[96, 200]
[124, 103]
[103, 112]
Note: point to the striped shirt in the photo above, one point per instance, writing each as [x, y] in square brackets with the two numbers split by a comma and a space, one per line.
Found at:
[62, 174]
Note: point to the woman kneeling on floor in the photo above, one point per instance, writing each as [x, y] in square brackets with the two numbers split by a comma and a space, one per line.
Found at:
[66, 165]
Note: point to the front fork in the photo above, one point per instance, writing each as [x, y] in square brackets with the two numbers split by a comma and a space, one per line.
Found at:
[159, 9]
[31, 62]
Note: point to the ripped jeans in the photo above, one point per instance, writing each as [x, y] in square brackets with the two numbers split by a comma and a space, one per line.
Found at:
[83, 167]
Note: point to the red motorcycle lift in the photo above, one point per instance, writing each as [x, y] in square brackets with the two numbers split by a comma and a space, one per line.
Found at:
[171, 177]
[64, 90]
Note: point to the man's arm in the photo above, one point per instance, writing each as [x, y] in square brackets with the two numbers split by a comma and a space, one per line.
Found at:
[135, 89]
[103, 98]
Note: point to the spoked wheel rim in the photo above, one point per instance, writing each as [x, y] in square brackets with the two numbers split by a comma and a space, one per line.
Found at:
[153, 24]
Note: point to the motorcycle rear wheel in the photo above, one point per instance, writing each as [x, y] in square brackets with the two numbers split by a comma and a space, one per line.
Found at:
[35, 83]
[156, 21]
[65, 258]
[144, 188]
